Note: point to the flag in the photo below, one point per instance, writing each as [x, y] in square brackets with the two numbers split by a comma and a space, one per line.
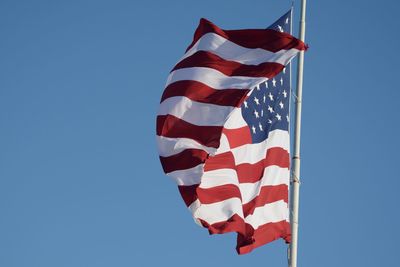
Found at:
[222, 131]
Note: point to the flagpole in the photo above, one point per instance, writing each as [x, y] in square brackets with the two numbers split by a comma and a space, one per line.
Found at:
[296, 153]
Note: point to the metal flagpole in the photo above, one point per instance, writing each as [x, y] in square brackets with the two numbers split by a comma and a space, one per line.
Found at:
[296, 152]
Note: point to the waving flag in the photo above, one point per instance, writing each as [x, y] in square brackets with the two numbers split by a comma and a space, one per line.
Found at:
[222, 131]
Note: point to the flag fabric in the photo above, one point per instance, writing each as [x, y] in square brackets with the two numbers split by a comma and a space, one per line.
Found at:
[222, 131]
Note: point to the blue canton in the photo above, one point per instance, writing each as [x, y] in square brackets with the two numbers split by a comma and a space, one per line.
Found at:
[267, 107]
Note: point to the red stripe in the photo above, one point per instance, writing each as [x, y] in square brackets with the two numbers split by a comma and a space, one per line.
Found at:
[173, 127]
[188, 193]
[230, 68]
[218, 193]
[186, 159]
[233, 224]
[270, 40]
[251, 173]
[248, 238]
[268, 194]
[238, 137]
[220, 161]
[263, 235]
[200, 92]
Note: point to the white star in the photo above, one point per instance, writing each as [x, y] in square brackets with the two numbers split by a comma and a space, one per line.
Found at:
[281, 81]
[273, 82]
[254, 129]
[287, 20]
[284, 93]
[257, 100]
[269, 121]
[287, 118]
[266, 84]
[264, 98]
[281, 105]
[245, 104]
[270, 109]
[278, 117]
[271, 97]
[258, 87]
[280, 28]
[256, 114]
[262, 113]
[260, 126]
[284, 70]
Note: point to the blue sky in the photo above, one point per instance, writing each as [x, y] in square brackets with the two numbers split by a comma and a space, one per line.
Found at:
[80, 180]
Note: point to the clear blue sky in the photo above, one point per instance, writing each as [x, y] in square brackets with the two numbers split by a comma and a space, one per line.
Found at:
[80, 180]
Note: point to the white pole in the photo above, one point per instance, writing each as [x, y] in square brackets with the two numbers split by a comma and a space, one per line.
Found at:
[296, 152]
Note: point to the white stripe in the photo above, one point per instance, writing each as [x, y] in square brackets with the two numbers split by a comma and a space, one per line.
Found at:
[253, 153]
[270, 213]
[228, 50]
[201, 114]
[188, 176]
[220, 211]
[193, 207]
[213, 78]
[224, 210]
[273, 175]
[223, 145]
[171, 146]
[235, 120]
[219, 177]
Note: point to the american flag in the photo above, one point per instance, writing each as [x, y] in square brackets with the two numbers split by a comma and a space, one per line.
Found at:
[222, 130]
